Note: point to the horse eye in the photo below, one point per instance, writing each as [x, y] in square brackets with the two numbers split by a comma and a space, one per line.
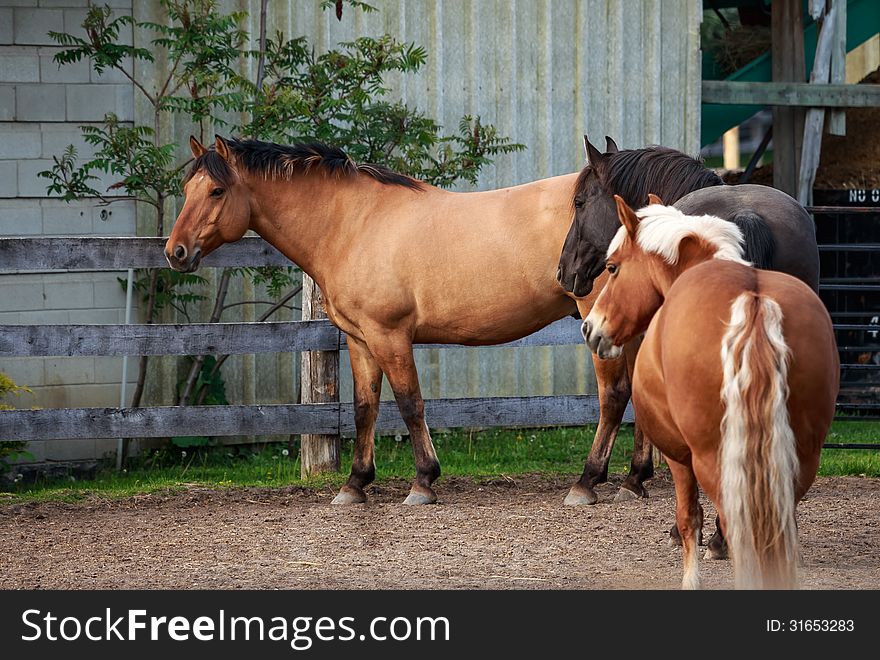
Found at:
[612, 268]
[217, 192]
[579, 203]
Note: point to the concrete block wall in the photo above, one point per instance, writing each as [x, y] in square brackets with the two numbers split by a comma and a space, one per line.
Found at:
[42, 108]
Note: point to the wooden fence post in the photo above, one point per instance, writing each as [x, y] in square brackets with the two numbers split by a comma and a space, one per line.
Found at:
[319, 380]
[787, 52]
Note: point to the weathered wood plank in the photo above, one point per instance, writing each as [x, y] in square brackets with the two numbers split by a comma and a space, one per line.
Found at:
[191, 339]
[837, 118]
[787, 64]
[319, 383]
[815, 117]
[790, 94]
[319, 418]
[120, 253]
[78, 423]
[210, 338]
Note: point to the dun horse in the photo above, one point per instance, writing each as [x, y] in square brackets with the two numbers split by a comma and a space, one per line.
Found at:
[735, 382]
[397, 261]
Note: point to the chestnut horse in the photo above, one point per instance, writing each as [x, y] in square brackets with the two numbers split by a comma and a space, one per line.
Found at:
[735, 381]
[398, 262]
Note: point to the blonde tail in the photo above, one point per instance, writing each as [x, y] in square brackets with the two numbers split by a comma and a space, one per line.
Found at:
[759, 464]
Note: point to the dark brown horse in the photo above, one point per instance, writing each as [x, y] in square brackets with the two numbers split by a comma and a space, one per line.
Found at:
[735, 382]
[779, 235]
[398, 262]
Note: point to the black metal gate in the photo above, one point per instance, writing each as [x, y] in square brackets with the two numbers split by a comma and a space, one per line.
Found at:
[848, 233]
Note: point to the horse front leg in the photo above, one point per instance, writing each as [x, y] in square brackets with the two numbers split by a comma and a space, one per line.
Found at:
[367, 378]
[642, 463]
[614, 393]
[395, 357]
[640, 470]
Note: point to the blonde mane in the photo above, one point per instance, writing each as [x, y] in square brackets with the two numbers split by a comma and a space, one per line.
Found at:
[662, 229]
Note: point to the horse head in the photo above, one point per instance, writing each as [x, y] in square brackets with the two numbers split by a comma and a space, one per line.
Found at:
[593, 227]
[630, 298]
[216, 211]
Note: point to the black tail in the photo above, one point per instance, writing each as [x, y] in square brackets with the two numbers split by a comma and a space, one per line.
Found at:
[760, 245]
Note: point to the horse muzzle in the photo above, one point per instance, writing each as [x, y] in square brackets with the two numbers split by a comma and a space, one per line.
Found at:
[598, 342]
[181, 259]
[576, 285]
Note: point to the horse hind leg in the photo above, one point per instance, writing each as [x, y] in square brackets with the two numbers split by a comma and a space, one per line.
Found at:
[367, 377]
[395, 357]
[689, 519]
[717, 546]
[614, 393]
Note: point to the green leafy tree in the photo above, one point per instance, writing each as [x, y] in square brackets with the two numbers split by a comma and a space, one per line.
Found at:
[339, 96]
[10, 450]
[200, 47]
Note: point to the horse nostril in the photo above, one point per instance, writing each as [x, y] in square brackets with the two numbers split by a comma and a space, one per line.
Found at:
[180, 253]
[586, 328]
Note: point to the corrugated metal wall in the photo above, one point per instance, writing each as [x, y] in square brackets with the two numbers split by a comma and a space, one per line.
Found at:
[544, 72]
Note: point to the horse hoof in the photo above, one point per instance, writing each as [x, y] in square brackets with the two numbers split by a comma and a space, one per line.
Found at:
[417, 497]
[715, 553]
[580, 496]
[350, 495]
[625, 495]
[716, 550]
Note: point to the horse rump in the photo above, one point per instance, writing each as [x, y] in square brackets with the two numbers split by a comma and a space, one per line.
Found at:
[760, 245]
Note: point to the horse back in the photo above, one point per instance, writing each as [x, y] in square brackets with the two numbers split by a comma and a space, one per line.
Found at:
[680, 358]
[780, 235]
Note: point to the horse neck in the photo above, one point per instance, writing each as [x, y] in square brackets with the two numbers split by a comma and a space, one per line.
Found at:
[303, 216]
[682, 176]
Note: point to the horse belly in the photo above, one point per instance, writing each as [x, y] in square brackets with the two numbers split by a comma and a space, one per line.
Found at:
[650, 402]
[489, 323]
[677, 385]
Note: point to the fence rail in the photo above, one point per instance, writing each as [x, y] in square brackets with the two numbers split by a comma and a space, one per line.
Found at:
[316, 418]
[206, 338]
[95, 254]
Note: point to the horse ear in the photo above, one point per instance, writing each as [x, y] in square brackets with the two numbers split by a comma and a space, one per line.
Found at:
[197, 147]
[654, 199]
[627, 216]
[592, 155]
[610, 146]
[221, 147]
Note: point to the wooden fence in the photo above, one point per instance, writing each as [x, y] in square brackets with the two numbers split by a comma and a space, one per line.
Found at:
[110, 254]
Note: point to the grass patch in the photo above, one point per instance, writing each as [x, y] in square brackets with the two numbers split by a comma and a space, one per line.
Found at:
[487, 453]
[857, 462]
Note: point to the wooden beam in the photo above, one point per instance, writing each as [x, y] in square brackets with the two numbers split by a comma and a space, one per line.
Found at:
[730, 142]
[213, 338]
[156, 339]
[790, 94]
[836, 120]
[787, 54]
[93, 253]
[319, 383]
[815, 117]
[89, 423]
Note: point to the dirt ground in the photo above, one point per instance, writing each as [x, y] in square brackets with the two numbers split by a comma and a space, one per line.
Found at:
[498, 534]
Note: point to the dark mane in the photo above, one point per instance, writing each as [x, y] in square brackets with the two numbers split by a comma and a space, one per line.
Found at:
[280, 161]
[633, 173]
